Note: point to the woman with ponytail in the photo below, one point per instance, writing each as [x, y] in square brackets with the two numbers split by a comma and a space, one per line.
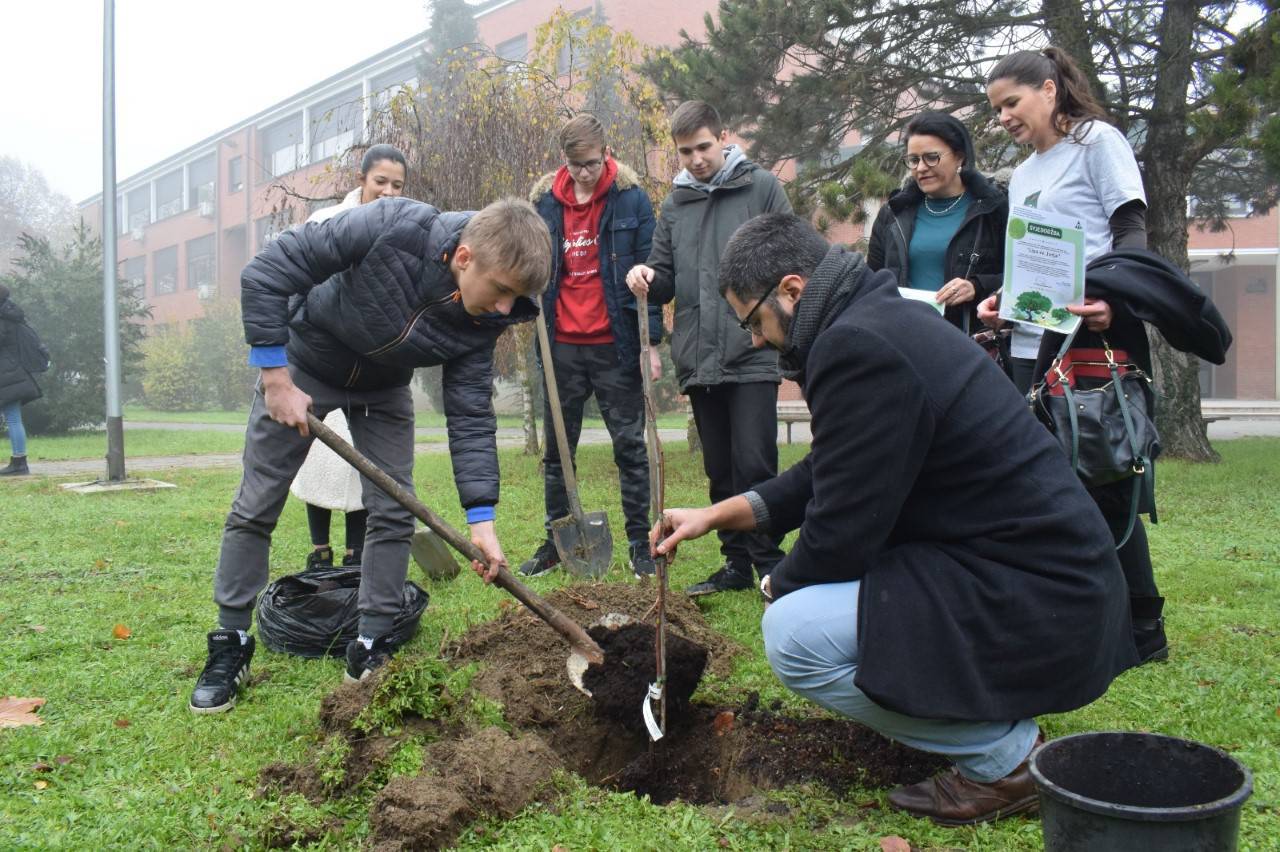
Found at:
[1083, 167]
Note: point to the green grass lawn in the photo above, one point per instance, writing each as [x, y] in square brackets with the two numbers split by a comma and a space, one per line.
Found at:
[137, 443]
[129, 767]
[674, 420]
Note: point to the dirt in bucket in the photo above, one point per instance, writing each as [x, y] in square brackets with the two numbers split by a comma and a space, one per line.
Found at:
[712, 755]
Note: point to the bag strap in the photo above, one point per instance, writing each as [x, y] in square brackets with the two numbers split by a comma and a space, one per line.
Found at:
[1140, 464]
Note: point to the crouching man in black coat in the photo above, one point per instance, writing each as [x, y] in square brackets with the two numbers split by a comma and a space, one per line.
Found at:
[338, 314]
[951, 578]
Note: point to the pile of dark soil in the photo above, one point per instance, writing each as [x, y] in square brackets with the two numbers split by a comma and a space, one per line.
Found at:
[621, 685]
[486, 772]
[710, 755]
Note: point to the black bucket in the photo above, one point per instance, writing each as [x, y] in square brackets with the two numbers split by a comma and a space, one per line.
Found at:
[1120, 792]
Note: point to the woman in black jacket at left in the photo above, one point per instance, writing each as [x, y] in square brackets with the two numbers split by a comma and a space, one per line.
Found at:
[944, 232]
[17, 385]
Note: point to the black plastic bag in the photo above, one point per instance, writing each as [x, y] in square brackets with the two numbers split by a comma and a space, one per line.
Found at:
[315, 613]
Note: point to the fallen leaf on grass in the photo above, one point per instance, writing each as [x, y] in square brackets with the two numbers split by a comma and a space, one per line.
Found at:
[559, 848]
[894, 843]
[41, 766]
[122, 723]
[63, 759]
[723, 722]
[37, 628]
[120, 631]
[40, 785]
[16, 712]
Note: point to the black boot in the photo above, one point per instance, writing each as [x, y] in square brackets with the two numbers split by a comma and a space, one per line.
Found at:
[1148, 628]
[17, 467]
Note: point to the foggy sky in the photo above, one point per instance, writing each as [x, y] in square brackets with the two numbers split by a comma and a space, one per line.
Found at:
[184, 71]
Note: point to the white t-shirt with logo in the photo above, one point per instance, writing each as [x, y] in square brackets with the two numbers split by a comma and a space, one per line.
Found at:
[1088, 180]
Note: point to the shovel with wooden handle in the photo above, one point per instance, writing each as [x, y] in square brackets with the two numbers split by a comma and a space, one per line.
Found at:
[573, 633]
[583, 540]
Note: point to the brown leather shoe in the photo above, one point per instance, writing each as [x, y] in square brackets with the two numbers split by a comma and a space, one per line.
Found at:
[952, 799]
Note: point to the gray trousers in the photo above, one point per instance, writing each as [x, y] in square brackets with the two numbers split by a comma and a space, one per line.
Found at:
[382, 428]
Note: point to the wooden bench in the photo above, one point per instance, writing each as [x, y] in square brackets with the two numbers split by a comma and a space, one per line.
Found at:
[797, 411]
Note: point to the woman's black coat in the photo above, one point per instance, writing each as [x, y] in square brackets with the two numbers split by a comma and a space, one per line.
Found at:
[990, 584]
[976, 252]
[16, 384]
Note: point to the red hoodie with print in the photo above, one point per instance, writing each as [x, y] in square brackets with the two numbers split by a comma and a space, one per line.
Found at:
[581, 315]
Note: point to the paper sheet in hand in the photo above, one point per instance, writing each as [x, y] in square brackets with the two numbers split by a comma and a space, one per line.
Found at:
[929, 297]
[1043, 269]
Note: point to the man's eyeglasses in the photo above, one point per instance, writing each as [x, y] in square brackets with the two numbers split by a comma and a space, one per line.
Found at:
[586, 165]
[746, 323]
[931, 158]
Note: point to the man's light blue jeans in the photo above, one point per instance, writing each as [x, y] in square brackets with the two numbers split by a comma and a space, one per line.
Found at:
[811, 639]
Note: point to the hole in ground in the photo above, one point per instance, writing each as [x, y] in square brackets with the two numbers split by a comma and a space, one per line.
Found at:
[711, 755]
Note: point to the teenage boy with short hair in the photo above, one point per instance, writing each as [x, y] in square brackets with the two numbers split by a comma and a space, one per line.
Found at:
[338, 314]
[732, 387]
[601, 222]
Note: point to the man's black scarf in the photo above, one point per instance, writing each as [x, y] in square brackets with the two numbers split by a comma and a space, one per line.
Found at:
[826, 293]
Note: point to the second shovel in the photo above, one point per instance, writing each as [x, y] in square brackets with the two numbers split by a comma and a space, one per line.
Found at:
[583, 540]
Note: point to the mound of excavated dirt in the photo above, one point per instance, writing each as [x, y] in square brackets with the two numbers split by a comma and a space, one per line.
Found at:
[524, 659]
[486, 772]
[621, 685]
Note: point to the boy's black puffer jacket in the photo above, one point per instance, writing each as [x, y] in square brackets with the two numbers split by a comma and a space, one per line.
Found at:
[363, 298]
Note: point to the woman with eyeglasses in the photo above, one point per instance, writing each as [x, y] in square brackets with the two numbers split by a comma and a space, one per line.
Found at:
[943, 233]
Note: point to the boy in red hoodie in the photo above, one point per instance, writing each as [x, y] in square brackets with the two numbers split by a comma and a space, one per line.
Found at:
[601, 224]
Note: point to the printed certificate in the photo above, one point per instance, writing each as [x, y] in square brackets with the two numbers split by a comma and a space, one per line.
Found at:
[1043, 269]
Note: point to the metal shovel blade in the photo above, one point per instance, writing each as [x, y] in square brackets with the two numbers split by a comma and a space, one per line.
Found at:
[433, 556]
[585, 548]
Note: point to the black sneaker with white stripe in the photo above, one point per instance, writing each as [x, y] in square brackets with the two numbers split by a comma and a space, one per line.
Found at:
[641, 560]
[362, 661]
[226, 670]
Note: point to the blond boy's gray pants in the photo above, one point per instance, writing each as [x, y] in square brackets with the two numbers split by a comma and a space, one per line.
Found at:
[382, 429]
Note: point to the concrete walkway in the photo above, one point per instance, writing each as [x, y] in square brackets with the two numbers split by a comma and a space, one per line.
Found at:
[95, 468]
[1219, 430]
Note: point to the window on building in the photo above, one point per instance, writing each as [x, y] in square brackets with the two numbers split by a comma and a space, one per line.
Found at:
[200, 262]
[140, 207]
[1231, 208]
[235, 174]
[514, 49]
[269, 227]
[282, 146]
[133, 275]
[169, 195]
[165, 269]
[202, 178]
[335, 124]
[383, 87]
[572, 55]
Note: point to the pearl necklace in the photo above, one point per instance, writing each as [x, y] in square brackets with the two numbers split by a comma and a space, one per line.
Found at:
[944, 211]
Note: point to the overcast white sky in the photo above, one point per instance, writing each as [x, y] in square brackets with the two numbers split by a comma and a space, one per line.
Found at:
[184, 70]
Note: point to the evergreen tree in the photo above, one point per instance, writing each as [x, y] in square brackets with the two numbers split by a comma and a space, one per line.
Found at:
[1196, 95]
[60, 290]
